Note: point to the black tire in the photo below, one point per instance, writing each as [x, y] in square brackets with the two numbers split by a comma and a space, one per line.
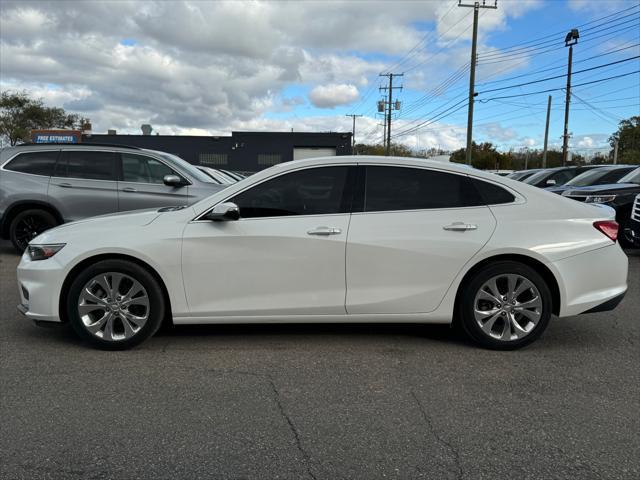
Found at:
[623, 239]
[134, 271]
[470, 289]
[27, 224]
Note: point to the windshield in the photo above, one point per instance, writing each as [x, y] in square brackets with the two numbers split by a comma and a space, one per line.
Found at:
[191, 169]
[537, 177]
[590, 177]
[631, 177]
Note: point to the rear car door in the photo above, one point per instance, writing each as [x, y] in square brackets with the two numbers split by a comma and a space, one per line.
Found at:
[415, 230]
[141, 184]
[84, 184]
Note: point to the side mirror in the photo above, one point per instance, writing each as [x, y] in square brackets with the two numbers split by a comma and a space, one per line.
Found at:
[172, 180]
[551, 182]
[223, 212]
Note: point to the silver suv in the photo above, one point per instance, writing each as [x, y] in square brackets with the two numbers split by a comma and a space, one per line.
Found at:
[44, 185]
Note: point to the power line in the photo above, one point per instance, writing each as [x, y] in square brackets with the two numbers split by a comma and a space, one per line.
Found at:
[559, 76]
[561, 88]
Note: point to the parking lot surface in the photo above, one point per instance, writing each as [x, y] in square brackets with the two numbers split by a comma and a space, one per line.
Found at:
[321, 401]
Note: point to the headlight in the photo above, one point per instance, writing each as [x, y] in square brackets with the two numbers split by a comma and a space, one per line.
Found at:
[599, 198]
[42, 252]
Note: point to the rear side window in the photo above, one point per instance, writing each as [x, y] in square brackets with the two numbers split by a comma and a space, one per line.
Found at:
[35, 163]
[492, 194]
[402, 188]
[87, 165]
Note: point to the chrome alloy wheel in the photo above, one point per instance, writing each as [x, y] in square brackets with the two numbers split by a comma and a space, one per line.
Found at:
[507, 307]
[113, 306]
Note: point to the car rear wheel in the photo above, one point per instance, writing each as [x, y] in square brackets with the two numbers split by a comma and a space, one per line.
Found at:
[115, 304]
[505, 306]
[27, 225]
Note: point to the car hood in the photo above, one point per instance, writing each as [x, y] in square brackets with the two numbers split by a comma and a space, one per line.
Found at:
[608, 188]
[134, 218]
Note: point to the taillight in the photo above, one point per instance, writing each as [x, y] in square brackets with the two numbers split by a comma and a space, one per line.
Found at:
[608, 227]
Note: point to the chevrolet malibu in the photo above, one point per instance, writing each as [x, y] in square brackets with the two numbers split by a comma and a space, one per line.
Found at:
[348, 239]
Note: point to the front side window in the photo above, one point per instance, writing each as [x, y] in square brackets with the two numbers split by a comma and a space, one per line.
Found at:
[87, 165]
[314, 191]
[35, 163]
[143, 169]
[402, 188]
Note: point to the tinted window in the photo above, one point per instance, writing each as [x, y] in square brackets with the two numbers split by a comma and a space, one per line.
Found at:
[36, 163]
[400, 188]
[563, 176]
[492, 194]
[314, 191]
[87, 165]
[631, 177]
[142, 169]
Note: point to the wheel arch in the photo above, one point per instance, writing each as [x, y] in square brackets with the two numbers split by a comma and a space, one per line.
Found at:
[74, 272]
[537, 265]
[22, 205]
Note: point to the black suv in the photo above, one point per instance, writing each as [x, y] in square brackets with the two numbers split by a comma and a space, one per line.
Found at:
[552, 177]
[619, 195]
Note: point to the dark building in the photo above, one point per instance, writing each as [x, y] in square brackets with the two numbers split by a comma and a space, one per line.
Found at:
[242, 151]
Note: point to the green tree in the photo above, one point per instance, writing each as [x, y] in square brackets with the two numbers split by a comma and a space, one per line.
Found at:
[397, 150]
[628, 138]
[19, 114]
[484, 156]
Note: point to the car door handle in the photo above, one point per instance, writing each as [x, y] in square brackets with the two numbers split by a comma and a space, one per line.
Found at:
[129, 189]
[460, 227]
[324, 231]
[64, 185]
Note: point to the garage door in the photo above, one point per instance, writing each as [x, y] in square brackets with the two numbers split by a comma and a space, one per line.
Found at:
[300, 153]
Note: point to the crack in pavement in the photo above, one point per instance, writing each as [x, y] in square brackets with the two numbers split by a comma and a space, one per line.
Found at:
[439, 439]
[293, 428]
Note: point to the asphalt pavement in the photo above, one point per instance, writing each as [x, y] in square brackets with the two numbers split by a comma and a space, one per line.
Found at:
[321, 401]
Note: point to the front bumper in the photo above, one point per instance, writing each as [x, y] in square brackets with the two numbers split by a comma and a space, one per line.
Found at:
[39, 284]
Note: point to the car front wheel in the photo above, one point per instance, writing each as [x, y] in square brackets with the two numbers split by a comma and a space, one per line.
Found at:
[505, 306]
[115, 304]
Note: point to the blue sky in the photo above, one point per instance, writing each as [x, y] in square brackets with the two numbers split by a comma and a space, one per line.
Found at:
[212, 67]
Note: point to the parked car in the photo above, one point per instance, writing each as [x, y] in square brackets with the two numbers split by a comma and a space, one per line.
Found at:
[217, 175]
[551, 177]
[632, 231]
[521, 175]
[596, 176]
[619, 195]
[359, 239]
[44, 185]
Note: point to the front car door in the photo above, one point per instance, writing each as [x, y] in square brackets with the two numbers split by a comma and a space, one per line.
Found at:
[84, 184]
[141, 184]
[415, 231]
[284, 256]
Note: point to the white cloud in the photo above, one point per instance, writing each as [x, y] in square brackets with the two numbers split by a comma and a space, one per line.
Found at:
[333, 95]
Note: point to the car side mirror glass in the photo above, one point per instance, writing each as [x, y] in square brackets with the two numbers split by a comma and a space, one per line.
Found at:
[551, 182]
[172, 180]
[222, 212]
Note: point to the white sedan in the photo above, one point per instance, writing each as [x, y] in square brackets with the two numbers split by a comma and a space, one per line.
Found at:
[340, 239]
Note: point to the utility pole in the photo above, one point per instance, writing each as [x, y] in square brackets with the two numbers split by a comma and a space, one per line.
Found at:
[570, 40]
[546, 135]
[472, 75]
[353, 132]
[390, 105]
[615, 152]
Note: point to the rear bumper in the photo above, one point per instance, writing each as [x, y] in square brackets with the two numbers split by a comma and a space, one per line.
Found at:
[591, 280]
[608, 305]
